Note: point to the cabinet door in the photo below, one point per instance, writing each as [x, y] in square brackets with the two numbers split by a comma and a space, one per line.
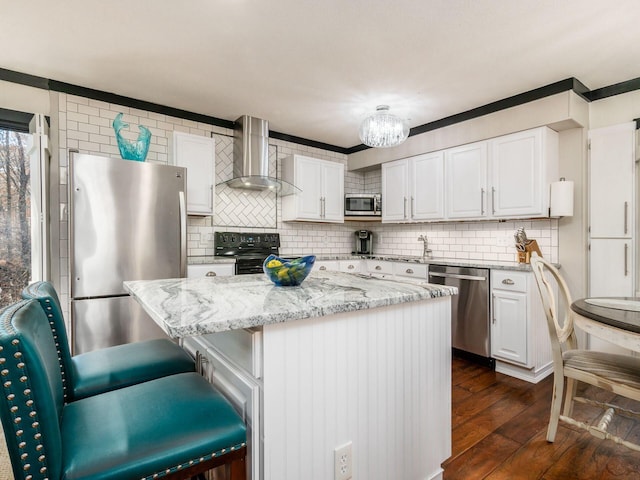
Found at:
[509, 327]
[611, 166]
[466, 173]
[197, 154]
[333, 192]
[610, 267]
[395, 191]
[426, 178]
[515, 163]
[308, 177]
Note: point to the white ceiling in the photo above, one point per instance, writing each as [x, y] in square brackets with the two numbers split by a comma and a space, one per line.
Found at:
[316, 68]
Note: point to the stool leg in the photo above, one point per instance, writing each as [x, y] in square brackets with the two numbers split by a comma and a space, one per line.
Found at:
[237, 470]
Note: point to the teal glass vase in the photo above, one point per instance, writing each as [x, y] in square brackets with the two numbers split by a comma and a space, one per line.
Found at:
[132, 149]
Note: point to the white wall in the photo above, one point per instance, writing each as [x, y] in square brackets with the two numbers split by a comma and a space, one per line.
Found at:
[615, 110]
[24, 99]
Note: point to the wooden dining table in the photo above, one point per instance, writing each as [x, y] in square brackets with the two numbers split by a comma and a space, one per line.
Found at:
[614, 319]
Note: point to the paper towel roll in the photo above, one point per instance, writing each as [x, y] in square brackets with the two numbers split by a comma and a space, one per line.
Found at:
[562, 199]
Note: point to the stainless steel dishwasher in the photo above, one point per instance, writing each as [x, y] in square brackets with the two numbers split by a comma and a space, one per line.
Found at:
[470, 317]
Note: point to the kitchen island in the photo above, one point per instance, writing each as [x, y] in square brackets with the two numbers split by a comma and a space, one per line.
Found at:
[340, 359]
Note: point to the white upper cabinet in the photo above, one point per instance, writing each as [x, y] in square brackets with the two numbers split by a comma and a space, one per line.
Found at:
[395, 191]
[198, 155]
[611, 178]
[522, 167]
[505, 177]
[466, 181]
[426, 181]
[413, 189]
[322, 185]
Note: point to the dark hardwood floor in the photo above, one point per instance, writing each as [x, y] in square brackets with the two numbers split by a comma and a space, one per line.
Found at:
[499, 428]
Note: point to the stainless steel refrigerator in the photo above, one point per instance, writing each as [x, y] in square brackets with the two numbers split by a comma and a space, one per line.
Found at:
[127, 221]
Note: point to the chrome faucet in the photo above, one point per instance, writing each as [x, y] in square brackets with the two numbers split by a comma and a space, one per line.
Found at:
[426, 251]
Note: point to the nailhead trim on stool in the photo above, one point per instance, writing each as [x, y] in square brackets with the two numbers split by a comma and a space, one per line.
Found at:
[190, 463]
[21, 403]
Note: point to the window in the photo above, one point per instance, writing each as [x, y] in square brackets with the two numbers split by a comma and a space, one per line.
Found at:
[15, 214]
[23, 161]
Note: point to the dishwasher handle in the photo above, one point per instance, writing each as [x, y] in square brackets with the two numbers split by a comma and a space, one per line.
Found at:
[458, 276]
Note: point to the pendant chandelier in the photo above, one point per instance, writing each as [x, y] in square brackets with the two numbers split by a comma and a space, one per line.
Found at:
[382, 129]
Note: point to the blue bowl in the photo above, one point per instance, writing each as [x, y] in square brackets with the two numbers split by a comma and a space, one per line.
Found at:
[288, 273]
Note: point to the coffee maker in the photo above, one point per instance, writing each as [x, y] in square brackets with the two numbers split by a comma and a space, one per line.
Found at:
[364, 242]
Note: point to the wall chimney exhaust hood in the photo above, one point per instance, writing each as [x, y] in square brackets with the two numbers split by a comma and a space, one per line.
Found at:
[251, 158]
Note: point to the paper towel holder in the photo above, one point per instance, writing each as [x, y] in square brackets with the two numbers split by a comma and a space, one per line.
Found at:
[561, 201]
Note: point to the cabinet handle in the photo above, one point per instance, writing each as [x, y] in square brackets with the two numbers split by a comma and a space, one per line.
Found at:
[626, 216]
[211, 197]
[408, 270]
[404, 214]
[493, 309]
[378, 267]
[351, 267]
[493, 201]
[324, 207]
[626, 255]
[482, 201]
[322, 268]
[211, 274]
[508, 281]
[412, 205]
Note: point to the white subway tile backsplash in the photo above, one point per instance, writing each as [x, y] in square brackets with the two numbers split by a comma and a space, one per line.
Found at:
[86, 125]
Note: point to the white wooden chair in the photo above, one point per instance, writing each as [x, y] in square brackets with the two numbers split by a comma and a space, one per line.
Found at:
[619, 374]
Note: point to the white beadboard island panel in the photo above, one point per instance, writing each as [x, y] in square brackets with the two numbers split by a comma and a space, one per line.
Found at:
[380, 378]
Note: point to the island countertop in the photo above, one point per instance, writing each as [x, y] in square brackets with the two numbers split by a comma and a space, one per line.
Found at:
[196, 306]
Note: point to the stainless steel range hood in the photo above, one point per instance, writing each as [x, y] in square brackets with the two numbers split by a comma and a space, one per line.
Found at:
[251, 158]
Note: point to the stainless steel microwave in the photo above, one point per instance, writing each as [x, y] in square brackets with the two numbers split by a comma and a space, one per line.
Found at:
[363, 204]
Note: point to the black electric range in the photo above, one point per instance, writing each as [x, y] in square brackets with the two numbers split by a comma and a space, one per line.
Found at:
[249, 249]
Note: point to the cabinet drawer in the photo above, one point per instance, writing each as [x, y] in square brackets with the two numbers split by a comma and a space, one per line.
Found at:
[350, 266]
[375, 266]
[211, 270]
[413, 270]
[327, 265]
[509, 280]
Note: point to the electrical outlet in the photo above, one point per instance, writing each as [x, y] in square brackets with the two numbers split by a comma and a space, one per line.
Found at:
[343, 459]
[504, 241]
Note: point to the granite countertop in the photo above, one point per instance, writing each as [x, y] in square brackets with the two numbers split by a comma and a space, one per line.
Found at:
[457, 262]
[196, 306]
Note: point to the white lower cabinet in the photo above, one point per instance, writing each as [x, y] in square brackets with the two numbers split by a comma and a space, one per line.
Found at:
[324, 265]
[350, 266]
[211, 270]
[410, 270]
[227, 364]
[519, 334]
[379, 268]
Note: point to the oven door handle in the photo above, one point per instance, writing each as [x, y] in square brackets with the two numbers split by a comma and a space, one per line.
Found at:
[457, 276]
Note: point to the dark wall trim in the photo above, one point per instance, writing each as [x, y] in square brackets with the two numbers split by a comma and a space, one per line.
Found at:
[307, 142]
[14, 120]
[24, 79]
[522, 98]
[615, 89]
[135, 103]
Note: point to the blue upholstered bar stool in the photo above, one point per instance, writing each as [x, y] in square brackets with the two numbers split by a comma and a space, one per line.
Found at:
[109, 368]
[174, 427]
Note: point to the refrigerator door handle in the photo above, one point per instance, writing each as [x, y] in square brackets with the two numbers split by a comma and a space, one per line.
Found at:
[183, 234]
